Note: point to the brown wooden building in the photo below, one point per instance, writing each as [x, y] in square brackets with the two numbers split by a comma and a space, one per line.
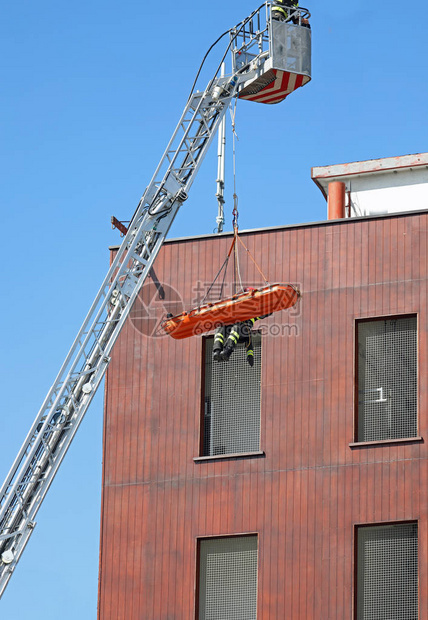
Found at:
[295, 489]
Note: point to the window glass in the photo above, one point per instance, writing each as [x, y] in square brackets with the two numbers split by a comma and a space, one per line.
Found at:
[387, 379]
[228, 578]
[231, 416]
[387, 572]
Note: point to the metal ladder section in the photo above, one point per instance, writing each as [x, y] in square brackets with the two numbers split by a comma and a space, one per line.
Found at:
[76, 384]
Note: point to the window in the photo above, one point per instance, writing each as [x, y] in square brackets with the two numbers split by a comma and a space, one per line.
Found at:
[228, 578]
[387, 572]
[231, 416]
[387, 379]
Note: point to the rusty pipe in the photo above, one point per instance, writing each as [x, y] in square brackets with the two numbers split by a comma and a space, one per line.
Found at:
[336, 200]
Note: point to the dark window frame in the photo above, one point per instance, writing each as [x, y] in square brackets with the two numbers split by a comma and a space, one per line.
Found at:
[357, 443]
[199, 540]
[227, 455]
[380, 524]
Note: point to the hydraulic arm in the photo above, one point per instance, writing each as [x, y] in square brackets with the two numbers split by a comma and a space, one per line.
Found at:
[250, 47]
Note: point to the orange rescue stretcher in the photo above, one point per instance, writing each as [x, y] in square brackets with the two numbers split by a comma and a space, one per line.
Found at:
[240, 307]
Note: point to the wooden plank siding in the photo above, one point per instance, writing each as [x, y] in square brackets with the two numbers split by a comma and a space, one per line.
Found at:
[305, 497]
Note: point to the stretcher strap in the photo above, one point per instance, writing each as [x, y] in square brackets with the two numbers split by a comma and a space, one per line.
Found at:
[252, 258]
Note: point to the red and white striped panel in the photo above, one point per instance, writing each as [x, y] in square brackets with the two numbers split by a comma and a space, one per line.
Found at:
[278, 90]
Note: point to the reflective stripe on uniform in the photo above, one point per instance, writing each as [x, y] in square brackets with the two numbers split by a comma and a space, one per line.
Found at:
[219, 337]
[279, 10]
[282, 10]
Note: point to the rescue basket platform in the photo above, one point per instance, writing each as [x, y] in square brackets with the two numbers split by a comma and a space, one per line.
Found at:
[247, 305]
[287, 67]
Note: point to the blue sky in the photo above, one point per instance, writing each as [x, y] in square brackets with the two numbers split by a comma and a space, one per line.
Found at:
[90, 94]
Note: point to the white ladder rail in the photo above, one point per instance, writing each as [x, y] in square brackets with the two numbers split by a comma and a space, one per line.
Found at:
[71, 394]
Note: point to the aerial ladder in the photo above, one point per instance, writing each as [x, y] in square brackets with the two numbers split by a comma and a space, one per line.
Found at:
[269, 59]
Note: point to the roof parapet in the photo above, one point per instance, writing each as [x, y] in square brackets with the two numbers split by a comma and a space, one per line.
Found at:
[378, 186]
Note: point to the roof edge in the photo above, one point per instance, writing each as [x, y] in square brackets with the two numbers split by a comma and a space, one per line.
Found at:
[347, 220]
[370, 165]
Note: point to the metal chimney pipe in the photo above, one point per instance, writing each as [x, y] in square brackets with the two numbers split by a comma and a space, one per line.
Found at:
[336, 200]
